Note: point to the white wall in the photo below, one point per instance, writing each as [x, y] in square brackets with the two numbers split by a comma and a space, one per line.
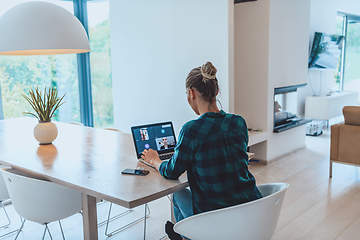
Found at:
[289, 42]
[323, 16]
[323, 19]
[155, 44]
[271, 46]
[288, 65]
[324, 12]
[251, 62]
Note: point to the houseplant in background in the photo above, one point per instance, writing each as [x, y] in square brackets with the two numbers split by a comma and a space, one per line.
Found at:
[45, 105]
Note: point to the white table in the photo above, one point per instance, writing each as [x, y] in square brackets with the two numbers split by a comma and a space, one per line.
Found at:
[88, 160]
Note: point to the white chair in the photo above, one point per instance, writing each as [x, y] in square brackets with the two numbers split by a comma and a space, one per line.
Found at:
[41, 201]
[4, 197]
[76, 123]
[254, 220]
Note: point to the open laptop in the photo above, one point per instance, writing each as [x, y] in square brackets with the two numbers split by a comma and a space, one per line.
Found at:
[158, 136]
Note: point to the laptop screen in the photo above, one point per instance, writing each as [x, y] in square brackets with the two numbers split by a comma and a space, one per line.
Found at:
[159, 137]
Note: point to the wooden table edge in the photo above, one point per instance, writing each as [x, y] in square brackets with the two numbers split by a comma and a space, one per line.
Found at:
[86, 191]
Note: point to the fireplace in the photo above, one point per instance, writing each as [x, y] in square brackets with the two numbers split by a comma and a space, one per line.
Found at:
[285, 109]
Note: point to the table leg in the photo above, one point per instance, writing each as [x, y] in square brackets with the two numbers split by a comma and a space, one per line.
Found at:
[89, 217]
[172, 210]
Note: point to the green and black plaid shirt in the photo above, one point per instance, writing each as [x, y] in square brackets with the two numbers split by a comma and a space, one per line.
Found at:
[213, 151]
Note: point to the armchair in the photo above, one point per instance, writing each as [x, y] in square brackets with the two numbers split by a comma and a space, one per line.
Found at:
[345, 139]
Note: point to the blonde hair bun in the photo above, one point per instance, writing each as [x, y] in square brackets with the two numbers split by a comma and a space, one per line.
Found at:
[208, 71]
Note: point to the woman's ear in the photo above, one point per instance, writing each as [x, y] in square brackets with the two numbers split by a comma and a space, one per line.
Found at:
[191, 93]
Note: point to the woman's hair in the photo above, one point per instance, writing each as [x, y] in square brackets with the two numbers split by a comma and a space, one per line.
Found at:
[204, 80]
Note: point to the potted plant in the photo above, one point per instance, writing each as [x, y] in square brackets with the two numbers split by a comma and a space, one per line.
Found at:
[45, 105]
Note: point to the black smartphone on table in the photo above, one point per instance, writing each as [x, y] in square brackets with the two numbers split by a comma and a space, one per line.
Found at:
[138, 172]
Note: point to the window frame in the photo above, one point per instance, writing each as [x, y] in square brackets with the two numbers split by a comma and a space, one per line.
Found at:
[346, 19]
[84, 69]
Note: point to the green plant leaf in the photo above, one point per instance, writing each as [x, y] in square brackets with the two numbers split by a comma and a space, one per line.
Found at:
[44, 103]
[29, 113]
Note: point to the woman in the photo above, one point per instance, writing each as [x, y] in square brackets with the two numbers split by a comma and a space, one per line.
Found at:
[213, 151]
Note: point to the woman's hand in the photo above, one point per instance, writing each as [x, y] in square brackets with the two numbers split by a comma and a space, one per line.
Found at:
[152, 157]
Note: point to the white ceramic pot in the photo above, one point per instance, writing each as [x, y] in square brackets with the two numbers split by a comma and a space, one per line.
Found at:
[45, 132]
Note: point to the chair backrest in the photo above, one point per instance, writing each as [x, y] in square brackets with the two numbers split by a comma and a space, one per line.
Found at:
[114, 130]
[254, 220]
[4, 194]
[39, 200]
[77, 123]
[352, 115]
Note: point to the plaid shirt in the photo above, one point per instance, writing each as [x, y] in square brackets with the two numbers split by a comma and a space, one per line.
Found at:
[213, 151]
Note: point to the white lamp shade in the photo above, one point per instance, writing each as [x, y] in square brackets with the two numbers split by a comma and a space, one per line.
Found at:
[41, 28]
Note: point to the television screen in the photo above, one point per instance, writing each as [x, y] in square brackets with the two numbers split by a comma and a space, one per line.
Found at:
[326, 51]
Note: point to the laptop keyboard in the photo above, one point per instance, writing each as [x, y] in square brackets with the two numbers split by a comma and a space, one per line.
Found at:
[166, 156]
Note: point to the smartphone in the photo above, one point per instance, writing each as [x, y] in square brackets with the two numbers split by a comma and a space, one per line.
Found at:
[138, 172]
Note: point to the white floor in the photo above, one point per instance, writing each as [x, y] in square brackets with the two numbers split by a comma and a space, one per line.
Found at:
[315, 207]
[160, 213]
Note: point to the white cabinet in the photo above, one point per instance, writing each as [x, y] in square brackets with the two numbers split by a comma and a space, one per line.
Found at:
[327, 107]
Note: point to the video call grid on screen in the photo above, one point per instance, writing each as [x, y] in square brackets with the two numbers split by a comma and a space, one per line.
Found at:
[159, 137]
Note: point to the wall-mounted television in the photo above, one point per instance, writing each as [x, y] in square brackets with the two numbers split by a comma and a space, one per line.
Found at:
[326, 51]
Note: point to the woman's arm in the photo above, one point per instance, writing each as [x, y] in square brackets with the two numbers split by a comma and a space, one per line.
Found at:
[178, 164]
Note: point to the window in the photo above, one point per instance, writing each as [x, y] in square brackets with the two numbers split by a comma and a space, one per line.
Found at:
[18, 74]
[337, 75]
[352, 57]
[350, 72]
[99, 31]
[69, 73]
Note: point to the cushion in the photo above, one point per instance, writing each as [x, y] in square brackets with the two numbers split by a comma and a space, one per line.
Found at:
[352, 115]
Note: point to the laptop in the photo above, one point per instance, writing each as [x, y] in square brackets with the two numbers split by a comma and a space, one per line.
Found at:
[158, 136]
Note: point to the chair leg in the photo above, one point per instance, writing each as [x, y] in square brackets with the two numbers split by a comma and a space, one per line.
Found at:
[43, 237]
[110, 219]
[331, 169]
[8, 222]
[7, 216]
[145, 207]
[147, 214]
[20, 229]
[47, 230]
[62, 231]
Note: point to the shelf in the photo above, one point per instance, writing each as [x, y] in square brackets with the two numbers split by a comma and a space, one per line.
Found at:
[256, 137]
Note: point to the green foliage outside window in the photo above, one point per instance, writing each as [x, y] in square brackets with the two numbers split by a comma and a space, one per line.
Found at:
[20, 74]
[101, 74]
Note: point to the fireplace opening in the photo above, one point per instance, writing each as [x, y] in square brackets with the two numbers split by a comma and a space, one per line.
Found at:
[285, 109]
